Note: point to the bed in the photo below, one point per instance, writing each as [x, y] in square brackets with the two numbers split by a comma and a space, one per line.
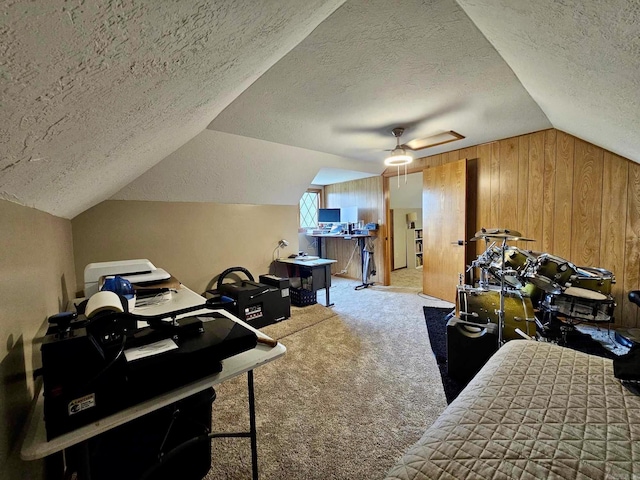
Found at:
[535, 410]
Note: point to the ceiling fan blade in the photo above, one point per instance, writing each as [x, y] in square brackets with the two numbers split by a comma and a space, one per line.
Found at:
[409, 124]
[434, 140]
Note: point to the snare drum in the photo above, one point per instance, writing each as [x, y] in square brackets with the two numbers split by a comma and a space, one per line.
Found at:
[582, 304]
[476, 305]
[550, 273]
[596, 279]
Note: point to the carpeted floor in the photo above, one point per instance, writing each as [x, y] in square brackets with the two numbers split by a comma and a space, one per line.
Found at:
[357, 386]
[407, 277]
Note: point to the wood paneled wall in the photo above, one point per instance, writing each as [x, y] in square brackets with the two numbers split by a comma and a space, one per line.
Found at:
[577, 201]
[367, 195]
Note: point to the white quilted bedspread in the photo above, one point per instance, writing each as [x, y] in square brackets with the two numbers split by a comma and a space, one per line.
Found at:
[535, 410]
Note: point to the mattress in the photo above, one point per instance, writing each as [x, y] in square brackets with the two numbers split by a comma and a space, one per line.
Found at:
[535, 410]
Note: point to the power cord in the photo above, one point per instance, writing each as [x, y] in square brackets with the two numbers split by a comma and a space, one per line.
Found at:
[313, 247]
[346, 268]
[158, 299]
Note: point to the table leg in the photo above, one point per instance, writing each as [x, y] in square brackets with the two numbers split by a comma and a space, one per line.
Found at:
[78, 460]
[327, 285]
[365, 283]
[252, 426]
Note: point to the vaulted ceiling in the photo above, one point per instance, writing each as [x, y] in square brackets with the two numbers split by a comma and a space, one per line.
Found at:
[231, 101]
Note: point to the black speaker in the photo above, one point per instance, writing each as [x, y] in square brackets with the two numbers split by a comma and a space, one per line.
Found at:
[469, 346]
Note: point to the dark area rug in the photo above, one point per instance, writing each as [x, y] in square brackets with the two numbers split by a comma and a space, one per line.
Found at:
[436, 320]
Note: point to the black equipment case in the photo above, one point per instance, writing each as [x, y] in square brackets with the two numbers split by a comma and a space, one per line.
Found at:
[258, 303]
[87, 376]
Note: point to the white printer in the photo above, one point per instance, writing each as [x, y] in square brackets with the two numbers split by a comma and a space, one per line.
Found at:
[136, 271]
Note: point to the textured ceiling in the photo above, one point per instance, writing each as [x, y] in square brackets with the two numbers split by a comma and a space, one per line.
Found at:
[95, 93]
[579, 60]
[373, 65]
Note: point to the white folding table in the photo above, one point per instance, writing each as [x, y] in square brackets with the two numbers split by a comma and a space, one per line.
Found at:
[36, 445]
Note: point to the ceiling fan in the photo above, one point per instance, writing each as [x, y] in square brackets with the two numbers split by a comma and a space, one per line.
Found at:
[400, 156]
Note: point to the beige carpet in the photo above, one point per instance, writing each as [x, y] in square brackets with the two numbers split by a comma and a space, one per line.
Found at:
[407, 277]
[357, 386]
[301, 318]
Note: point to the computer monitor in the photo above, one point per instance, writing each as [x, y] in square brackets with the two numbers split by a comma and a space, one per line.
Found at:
[349, 215]
[328, 215]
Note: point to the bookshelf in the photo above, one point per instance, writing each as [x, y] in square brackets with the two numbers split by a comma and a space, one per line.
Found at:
[417, 247]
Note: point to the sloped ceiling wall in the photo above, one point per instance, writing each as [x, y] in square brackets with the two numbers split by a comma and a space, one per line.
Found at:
[579, 60]
[374, 65]
[95, 93]
[223, 168]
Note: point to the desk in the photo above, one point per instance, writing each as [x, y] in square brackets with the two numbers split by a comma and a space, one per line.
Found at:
[36, 446]
[361, 245]
[319, 270]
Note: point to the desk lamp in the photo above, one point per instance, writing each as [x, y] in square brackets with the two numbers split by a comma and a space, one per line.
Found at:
[281, 244]
[412, 218]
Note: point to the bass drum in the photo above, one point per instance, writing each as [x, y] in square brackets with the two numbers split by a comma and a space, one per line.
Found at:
[477, 305]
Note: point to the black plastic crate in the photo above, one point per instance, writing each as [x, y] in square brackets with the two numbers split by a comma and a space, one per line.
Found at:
[301, 297]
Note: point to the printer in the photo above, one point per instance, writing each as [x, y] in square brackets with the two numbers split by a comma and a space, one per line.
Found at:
[135, 271]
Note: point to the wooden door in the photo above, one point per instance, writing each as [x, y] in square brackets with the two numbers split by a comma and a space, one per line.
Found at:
[398, 240]
[444, 222]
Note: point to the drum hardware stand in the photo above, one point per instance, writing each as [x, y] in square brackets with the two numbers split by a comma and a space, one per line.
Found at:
[481, 263]
[527, 320]
[526, 336]
[504, 235]
[484, 271]
[500, 312]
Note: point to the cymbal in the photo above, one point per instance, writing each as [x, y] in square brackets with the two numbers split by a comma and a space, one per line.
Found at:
[494, 231]
[502, 236]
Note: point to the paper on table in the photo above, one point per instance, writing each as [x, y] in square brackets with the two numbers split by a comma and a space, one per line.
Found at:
[155, 348]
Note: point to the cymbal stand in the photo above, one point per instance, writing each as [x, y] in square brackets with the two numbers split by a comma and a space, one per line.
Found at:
[502, 295]
[483, 283]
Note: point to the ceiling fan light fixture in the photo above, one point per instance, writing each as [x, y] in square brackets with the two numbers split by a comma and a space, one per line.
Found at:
[398, 157]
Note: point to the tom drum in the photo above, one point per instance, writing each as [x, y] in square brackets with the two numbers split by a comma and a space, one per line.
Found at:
[596, 279]
[513, 268]
[550, 273]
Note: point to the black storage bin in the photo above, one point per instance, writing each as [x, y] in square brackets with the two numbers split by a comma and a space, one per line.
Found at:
[301, 297]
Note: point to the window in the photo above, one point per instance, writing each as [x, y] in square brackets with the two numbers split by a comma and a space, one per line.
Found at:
[309, 205]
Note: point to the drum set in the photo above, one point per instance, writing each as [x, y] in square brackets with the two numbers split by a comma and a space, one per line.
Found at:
[530, 294]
